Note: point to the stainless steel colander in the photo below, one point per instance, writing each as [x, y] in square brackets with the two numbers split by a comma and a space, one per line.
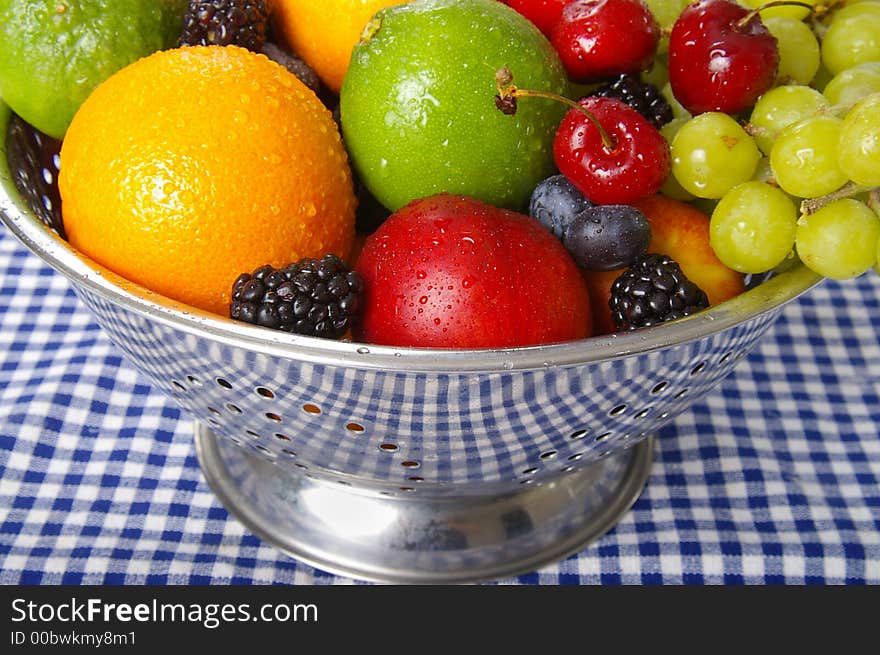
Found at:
[415, 465]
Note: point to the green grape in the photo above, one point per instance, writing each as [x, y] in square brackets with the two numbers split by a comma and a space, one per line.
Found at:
[790, 11]
[657, 73]
[665, 12]
[763, 173]
[839, 241]
[678, 110]
[855, 8]
[711, 154]
[804, 157]
[859, 149]
[851, 39]
[821, 78]
[780, 107]
[753, 227]
[799, 53]
[851, 85]
[671, 186]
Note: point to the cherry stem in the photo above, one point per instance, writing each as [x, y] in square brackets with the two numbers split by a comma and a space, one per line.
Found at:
[848, 190]
[742, 22]
[508, 92]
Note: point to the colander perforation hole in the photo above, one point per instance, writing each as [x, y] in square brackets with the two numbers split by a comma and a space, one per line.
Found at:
[549, 454]
[252, 434]
[575, 457]
[311, 408]
[726, 357]
[682, 393]
[531, 470]
[194, 381]
[288, 452]
[235, 409]
[272, 416]
[221, 382]
[389, 447]
[265, 452]
[410, 464]
[568, 469]
[578, 434]
[643, 412]
[659, 387]
[605, 436]
[699, 368]
[354, 427]
[215, 411]
[178, 385]
[281, 436]
[265, 393]
[416, 478]
[617, 411]
[407, 488]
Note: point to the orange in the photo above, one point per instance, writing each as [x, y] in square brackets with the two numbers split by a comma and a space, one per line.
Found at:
[323, 33]
[193, 165]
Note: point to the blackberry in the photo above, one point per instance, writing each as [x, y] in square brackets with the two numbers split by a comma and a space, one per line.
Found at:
[651, 291]
[312, 297]
[641, 96]
[243, 23]
[34, 162]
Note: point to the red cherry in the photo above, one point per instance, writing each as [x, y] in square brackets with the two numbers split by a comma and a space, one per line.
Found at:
[721, 57]
[600, 39]
[543, 13]
[634, 162]
[452, 272]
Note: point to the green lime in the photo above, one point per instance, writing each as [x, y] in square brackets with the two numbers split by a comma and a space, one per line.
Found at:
[54, 52]
[418, 103]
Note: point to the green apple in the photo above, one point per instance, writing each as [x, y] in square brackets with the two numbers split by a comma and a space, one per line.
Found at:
[418, 108]
[53, 53]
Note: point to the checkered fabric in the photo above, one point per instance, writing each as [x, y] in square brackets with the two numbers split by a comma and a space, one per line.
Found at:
[774, 477]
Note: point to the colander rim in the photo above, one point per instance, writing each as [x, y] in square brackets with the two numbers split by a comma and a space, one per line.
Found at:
[85, 274]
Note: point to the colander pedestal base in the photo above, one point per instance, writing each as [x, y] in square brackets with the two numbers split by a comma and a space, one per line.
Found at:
[420, 537]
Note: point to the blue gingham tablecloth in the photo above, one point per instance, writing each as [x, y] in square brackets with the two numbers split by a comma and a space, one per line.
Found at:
[774, 477]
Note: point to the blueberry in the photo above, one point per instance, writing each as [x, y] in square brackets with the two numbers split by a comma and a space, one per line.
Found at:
[605, 237]
[555, 202]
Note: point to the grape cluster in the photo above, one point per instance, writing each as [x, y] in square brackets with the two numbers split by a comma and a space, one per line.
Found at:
[796, 172]
[775, 126]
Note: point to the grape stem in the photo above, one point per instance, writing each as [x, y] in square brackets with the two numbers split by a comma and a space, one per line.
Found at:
[508, 93]
[742, 22]
[874, 199]
[812, 205]
[754, 130]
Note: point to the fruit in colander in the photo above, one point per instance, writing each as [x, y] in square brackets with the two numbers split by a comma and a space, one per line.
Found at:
[417, 103]
[53, 53]
[452, 272]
